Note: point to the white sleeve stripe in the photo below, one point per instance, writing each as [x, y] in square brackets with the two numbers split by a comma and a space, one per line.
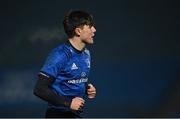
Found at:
[44, 74]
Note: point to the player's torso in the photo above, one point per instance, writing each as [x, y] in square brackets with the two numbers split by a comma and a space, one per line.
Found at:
[74, 74]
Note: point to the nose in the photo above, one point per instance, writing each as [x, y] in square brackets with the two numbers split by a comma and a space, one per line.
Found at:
[93, 29]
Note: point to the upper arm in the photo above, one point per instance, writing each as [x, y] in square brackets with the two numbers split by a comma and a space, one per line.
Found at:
[54, 63]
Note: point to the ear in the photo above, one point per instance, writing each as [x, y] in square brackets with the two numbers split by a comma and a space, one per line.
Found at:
[78, 31]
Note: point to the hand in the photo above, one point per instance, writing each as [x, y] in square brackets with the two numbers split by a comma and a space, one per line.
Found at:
[91, 91]
[77, 103]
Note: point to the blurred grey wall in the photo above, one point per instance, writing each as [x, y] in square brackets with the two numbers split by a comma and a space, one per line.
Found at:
[135, 58]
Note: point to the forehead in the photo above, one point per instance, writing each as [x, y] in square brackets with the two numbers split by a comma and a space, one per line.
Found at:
[86, 27]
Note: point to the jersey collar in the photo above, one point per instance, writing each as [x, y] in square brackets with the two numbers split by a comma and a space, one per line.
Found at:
[76, 50]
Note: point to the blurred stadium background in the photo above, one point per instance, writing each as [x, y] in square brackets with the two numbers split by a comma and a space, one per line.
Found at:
[135, 58]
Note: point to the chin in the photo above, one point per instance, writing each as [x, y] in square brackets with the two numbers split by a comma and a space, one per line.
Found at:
[91, 42]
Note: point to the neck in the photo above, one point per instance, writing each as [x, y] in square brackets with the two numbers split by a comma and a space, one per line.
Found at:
[77, 43]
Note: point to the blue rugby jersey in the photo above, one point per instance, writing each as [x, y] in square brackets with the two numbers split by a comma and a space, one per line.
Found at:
[70, 68]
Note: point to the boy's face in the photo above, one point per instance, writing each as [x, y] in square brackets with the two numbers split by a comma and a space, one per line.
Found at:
[87, 33]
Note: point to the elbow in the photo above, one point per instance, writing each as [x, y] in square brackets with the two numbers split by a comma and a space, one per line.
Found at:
[40, 92]
[41, 88]
[36, 92]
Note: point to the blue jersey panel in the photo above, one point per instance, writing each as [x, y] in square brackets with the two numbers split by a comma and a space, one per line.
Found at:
[54, 62]
[70, 69]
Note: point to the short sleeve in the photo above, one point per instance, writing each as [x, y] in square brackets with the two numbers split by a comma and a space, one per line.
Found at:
[54, 63]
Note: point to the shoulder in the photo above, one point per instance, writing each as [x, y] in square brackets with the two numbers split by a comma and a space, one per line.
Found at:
[58, 53]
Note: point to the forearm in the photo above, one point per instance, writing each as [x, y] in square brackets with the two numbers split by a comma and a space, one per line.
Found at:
[42, 90]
